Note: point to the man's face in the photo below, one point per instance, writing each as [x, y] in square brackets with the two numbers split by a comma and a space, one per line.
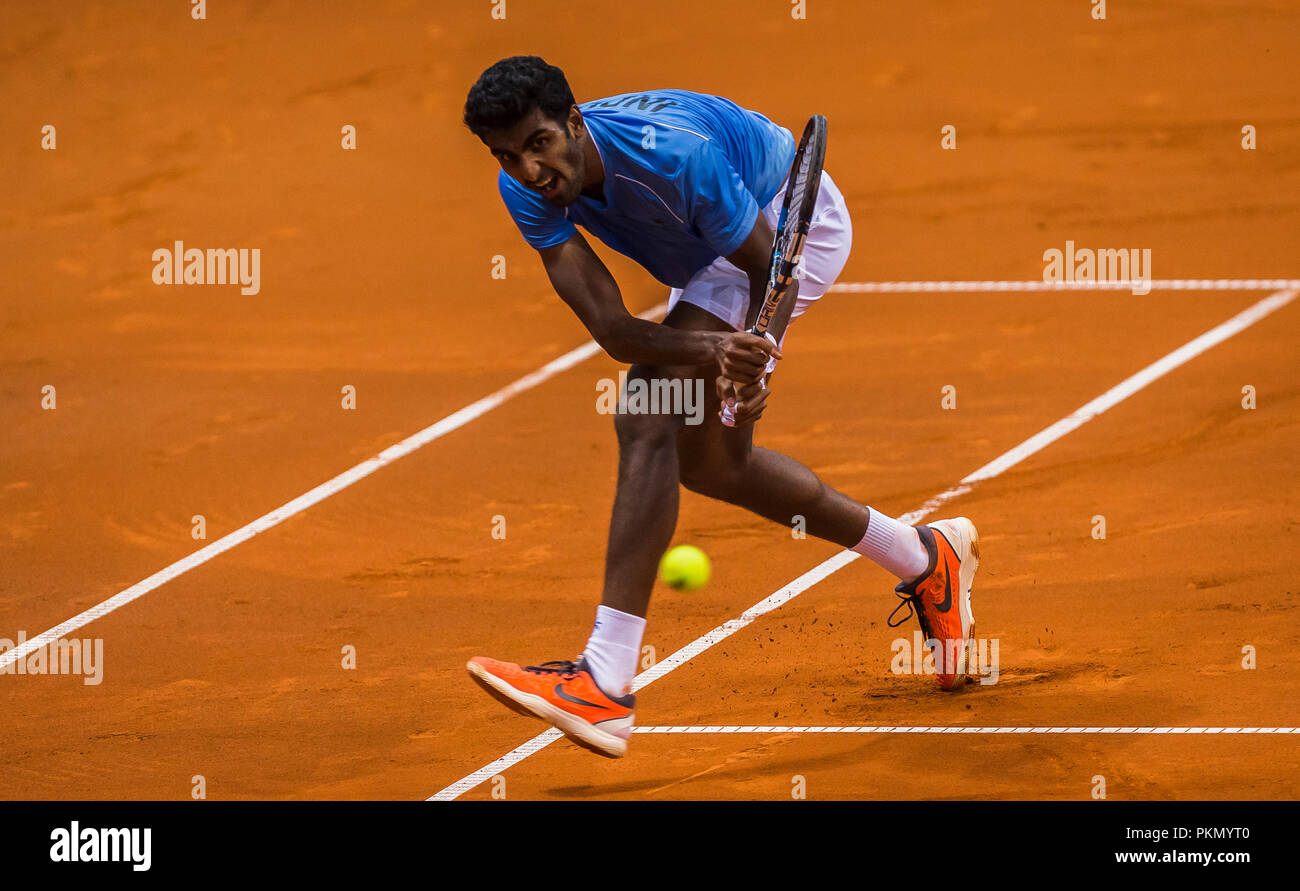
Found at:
[543, 155]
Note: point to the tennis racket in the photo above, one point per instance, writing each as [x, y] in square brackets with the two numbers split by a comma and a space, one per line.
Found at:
[791, 230]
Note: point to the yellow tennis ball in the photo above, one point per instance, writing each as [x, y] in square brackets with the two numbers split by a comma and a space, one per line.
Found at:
[685, 568]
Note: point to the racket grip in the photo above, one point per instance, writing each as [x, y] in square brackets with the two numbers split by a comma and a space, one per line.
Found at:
[729, 414]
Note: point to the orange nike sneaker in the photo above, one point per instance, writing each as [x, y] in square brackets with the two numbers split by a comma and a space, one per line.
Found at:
[565, 695]
[941, 597]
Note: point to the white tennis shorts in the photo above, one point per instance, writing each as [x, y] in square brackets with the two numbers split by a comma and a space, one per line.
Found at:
[723, 290]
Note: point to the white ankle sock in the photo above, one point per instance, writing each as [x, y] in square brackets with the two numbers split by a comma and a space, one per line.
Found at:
[894, 545]
[613, 650]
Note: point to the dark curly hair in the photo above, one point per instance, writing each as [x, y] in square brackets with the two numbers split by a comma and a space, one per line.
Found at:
[511, 88]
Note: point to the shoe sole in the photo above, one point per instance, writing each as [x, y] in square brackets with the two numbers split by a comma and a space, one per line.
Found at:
[584, 733]
[965, 540]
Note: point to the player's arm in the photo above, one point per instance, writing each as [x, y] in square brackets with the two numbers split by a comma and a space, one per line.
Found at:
[754, 258]
[585, 284]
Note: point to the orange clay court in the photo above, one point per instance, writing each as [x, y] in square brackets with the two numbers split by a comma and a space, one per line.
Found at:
[177, 401]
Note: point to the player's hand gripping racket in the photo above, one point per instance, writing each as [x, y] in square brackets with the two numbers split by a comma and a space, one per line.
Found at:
[791, 231]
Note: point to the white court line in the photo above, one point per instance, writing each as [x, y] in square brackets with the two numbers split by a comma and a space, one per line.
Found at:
[999, 465]
[437, 430]
[1159, 284]
[958, 728]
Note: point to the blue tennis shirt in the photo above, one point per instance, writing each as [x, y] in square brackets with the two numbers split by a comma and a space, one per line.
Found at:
[685, 176]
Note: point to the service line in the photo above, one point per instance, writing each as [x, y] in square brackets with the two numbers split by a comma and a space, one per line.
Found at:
[1158, 284]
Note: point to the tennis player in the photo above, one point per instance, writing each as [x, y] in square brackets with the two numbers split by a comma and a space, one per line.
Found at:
[690, 187]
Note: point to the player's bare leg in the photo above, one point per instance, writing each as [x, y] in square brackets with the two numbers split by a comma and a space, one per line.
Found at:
[645, 502]
[656, 452]
[722, 462]
[936, 563]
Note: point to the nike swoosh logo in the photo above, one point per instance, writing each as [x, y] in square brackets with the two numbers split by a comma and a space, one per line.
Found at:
[947, 593]
[559, 691]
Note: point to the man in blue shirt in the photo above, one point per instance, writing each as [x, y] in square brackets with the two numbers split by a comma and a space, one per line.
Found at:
[689, 187]
[681, 187]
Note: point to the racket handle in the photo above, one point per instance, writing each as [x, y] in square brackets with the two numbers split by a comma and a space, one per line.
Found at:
[728, 413]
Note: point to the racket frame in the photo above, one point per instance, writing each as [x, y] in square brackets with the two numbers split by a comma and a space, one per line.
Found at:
[791, 233]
